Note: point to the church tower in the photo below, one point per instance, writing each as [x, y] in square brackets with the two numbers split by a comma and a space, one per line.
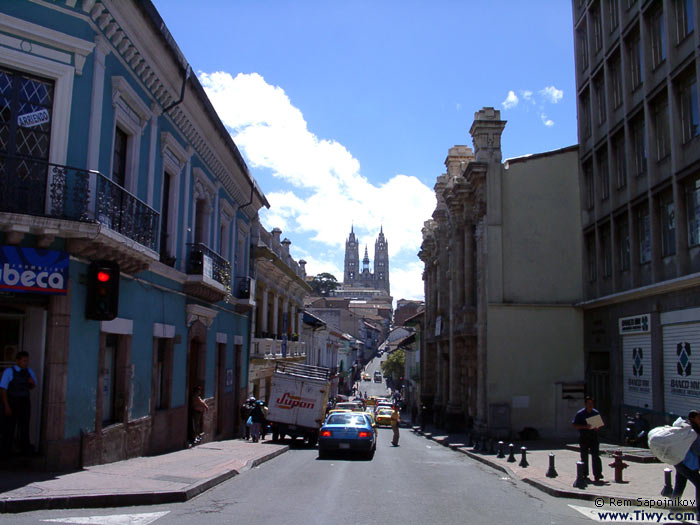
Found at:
[381, 262]
[352, 259]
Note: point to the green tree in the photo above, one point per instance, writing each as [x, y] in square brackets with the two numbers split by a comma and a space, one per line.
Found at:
[324, 283]
[394, 365]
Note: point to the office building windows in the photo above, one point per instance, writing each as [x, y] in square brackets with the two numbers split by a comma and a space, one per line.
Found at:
[639, 147]
[634, 53]
[599, 88]
[613, 14]
[603, 175]
[657, 37]
[685, 23]
[644, 235]
[661, 128]
[668, 226]
[689, 108]
[693, 210]
[619, 160]
[615, 72]
[623, 243]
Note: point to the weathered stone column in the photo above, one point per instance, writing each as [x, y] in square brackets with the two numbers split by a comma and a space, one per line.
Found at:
[263, 318]
[275, 313]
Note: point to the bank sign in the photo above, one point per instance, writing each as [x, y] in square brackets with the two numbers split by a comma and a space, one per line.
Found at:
[30, 270]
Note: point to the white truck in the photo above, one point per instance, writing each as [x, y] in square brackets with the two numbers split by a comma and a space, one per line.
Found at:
[298, 398]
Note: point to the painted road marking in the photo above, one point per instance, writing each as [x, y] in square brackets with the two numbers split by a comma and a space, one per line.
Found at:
[114, 519]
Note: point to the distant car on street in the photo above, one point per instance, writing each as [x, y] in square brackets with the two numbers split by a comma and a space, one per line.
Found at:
[347, 432]
[383, 417]
[365, 376]
[377, 377]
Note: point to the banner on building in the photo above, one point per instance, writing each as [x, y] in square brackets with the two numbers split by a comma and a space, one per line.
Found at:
[636, 363]
[31, 270]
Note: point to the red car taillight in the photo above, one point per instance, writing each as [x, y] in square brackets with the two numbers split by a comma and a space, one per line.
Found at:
[363, 434]
[326, 434]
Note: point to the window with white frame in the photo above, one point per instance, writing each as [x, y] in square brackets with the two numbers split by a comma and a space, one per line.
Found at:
[174, 159]
[131, 114]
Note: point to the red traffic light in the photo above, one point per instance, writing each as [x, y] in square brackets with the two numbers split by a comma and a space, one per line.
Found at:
[103, 277]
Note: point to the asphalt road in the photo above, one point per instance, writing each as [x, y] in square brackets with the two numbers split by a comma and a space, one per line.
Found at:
[417, 482]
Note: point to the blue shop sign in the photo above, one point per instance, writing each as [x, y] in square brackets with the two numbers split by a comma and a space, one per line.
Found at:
[30, 270]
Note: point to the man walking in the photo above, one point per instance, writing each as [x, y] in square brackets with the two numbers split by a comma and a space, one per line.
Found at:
[395, 420]
[688, 468]
[588, 438]
[15, 386]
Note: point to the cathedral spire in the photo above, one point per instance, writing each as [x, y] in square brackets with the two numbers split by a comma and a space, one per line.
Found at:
[365, 261]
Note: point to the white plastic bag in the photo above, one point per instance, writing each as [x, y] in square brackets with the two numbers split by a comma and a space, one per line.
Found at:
[670, 444]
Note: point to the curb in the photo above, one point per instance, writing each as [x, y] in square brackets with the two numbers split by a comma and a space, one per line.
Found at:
[130, 499]
[552, 491]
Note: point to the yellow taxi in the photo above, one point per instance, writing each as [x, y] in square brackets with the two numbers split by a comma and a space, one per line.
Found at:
[383, 417]
[370, 415]
[365, 376]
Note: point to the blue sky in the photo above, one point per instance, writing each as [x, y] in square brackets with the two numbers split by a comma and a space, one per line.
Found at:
[345, 110]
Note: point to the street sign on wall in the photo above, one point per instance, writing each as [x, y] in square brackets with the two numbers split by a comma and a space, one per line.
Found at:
[637, 324]
[30, 270]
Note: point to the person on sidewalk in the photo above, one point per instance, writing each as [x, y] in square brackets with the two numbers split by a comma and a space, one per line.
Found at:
[15, 386]
[245, 414]
[198, 407]
[257, 416]
[395, 420]
[588, 438]
[688, 468]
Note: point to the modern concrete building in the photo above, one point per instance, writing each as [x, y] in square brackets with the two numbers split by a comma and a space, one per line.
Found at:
[502, 335]
[636, 78]
[111, 151]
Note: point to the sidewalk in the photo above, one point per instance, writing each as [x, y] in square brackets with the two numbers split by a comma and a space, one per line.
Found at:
[641, 480]
[153, 480]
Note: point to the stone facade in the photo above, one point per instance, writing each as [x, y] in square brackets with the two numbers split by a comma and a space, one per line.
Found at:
[475, 294]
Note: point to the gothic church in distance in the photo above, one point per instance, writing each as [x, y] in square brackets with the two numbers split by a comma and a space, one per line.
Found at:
[356, 277]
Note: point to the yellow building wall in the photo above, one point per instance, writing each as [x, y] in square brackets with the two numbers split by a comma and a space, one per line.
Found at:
[530, 349]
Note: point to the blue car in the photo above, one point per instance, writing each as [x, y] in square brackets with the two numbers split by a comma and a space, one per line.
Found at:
[347, 431]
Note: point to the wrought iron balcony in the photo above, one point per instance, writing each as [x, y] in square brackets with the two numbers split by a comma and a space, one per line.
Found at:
[34, 187]
[211, 272]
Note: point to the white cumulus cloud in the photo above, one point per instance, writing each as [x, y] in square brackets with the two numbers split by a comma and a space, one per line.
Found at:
[527, 95]
[326, 191]
[552, 94]
[511, 100]
[546, 121]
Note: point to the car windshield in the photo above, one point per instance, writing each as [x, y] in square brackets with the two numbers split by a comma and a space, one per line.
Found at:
[346, 419]
[385, 412]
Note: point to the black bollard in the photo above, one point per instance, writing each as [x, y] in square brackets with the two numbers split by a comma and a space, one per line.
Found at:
[523, 459]
[511, 456]
[500, 455]
[552, 472]
[668, 488]
[581, 481]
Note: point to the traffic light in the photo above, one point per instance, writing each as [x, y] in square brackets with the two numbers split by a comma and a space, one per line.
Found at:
[102, 291]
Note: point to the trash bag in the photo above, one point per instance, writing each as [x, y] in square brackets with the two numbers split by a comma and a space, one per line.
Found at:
[670, 444]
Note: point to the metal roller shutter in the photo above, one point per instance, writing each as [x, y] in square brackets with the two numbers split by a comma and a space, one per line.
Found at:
[681, 343]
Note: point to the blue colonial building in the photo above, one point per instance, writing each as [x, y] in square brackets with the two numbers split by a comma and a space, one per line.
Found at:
[111, 151]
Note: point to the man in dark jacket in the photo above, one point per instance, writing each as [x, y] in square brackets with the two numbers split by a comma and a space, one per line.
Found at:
[15, 386]
[588, 438]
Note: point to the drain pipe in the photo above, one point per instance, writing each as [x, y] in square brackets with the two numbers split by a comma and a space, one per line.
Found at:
[182, 90]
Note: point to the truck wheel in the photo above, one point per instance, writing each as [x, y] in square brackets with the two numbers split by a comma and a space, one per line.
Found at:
[313, 439]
